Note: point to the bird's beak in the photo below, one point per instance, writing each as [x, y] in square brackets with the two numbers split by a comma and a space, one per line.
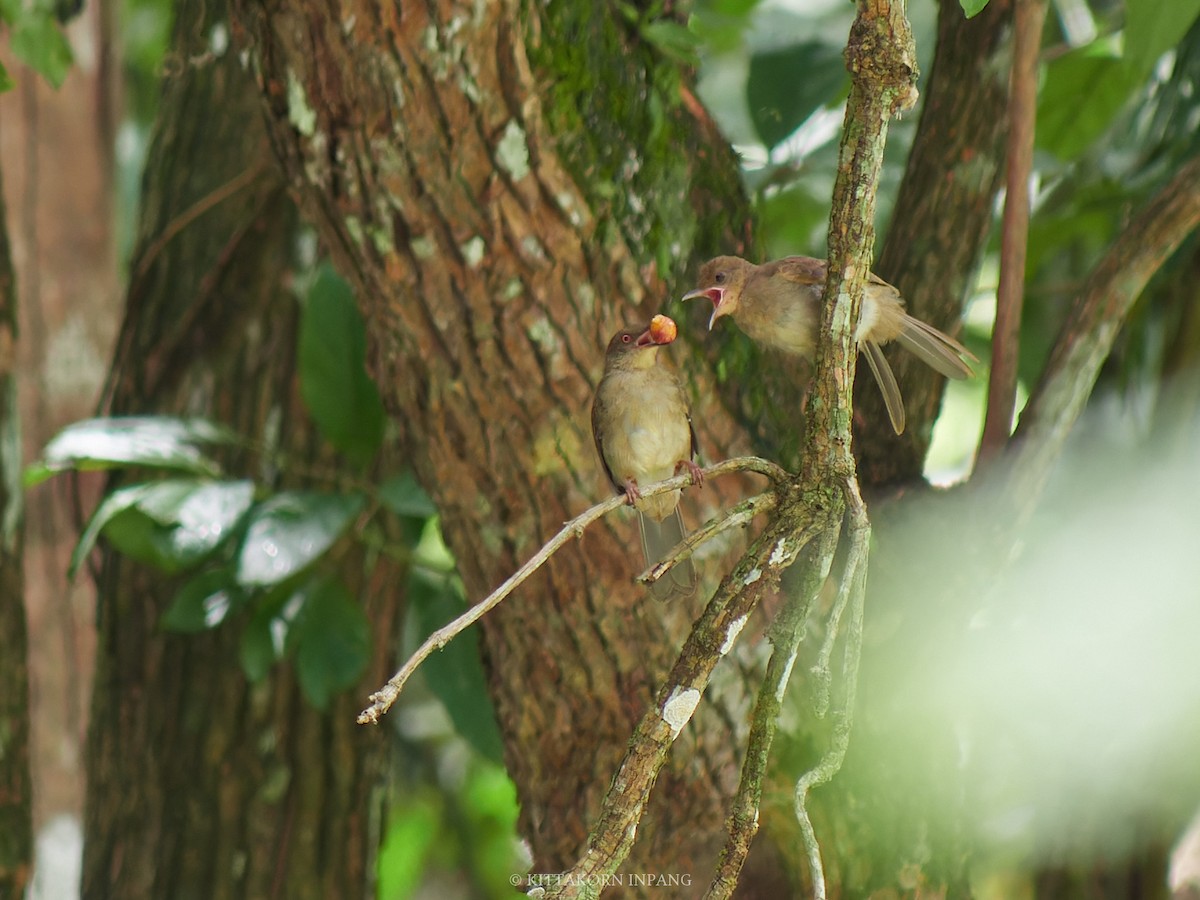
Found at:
[716, 295]
[645, 339]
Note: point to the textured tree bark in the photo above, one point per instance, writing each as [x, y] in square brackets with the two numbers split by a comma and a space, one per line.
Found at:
[16, 790]
[504, 184]
[200, 785]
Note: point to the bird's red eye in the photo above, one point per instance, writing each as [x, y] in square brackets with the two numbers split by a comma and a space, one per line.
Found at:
[626, 338]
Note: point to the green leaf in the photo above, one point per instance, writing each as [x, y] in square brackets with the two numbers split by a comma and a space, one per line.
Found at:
[455, 673]
[158, 441]
[1083, 93]
[972, 7]
[37, 40]
[291, 530]
[788, 85]
[170, 524]
[204, 602]
[341, 397]
[1152, 27]
[403, 496]
[333, 641]
[257, 652]
[6, 82]
[136, 535]
[412, 833]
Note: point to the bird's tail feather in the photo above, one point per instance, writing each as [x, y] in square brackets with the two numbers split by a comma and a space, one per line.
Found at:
[937, 350]
[887, 384]
[658, 538]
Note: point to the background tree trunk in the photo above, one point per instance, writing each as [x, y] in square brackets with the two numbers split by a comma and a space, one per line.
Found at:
[199, 784]
[16, 794]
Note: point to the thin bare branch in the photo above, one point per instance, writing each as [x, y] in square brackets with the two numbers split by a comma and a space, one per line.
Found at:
[1029, 17]
[382, 700]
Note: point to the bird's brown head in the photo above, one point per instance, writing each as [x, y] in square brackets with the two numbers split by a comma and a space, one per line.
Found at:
[721, 281]
[636, 346]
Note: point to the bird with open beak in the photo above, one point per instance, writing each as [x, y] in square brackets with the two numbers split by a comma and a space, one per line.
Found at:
[643, 430]
[778, 304]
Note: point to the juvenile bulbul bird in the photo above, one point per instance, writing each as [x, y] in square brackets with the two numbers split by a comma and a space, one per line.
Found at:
[778, 304]
[643, 431]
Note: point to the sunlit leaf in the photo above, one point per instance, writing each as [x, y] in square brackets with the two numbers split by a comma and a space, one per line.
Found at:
[291, 530]
[1152, 27]
[788, 85]
[411, 834]
[455, 673]
[341, 397]
[333, 641]
[972, 7]
[1083, 93]
[155, 441]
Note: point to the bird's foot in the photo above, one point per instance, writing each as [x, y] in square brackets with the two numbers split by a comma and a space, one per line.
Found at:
[693, 470]
[632, 492]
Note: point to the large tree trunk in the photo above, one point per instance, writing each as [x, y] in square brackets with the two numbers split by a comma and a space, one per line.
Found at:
[201, 785]
[495, 181]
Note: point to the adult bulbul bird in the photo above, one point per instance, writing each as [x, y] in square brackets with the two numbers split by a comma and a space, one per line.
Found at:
[779, 304]
[643, 431]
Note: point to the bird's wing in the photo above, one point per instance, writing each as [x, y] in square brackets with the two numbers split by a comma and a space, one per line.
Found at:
[598, 434]
[797, 269]
[807, 270]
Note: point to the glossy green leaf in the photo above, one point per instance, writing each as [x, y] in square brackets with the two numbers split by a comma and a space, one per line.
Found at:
[972, 8]
[341, 397]
[155, 441]
[1152, 27]
[455, 673]
[1084, 92]
[134, 534]
[788, 85]
[288, 532]
[38, 41]
[333, 641]
[403, 496]
[170, 524]
[204, 602]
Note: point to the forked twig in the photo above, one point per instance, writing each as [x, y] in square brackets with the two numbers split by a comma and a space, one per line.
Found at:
[382, 699]
[740, 515]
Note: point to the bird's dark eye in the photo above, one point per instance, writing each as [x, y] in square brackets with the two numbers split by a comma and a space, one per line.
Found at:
[626, 338]
[720, 277]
